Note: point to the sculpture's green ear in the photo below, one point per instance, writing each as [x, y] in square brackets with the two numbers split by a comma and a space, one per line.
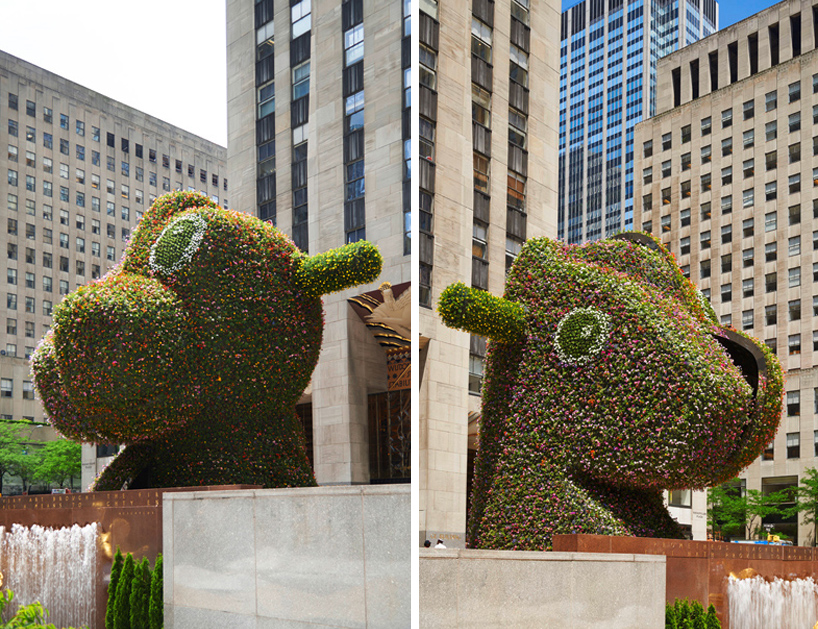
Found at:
[482, 313]
[356, 263]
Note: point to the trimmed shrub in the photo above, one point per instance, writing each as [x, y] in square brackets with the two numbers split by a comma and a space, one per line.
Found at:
[140, 595]
[122, 604]
[711, 620]
[156, 608]
[116, 571]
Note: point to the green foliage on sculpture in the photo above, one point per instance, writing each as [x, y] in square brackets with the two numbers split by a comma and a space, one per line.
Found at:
[611, 382]
[194, 350]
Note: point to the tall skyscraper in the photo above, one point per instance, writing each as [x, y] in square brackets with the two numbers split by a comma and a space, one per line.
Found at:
[318, 144]
[608, 58]
[486, 175]
[723, 178]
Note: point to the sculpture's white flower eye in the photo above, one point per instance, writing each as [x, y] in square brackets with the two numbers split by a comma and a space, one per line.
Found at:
[177, 243]
[581, 334]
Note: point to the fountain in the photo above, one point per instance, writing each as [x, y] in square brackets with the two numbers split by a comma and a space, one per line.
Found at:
[758, 604]
[60, 568]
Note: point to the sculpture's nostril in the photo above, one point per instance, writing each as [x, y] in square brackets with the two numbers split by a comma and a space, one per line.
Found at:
[745, 355]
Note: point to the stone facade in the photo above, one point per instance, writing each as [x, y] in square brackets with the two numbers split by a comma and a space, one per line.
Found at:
[497, 588]
[725, 176]
[352, 364]
[468, 232]
[309, 557]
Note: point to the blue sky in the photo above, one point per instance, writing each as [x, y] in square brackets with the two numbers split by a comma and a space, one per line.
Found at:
[730, 11]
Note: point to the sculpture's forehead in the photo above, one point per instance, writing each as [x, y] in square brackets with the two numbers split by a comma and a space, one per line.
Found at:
[549, 273]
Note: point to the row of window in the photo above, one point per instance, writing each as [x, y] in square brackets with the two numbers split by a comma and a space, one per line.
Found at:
[7, 388]
[748, 112]
[31, 136]
[793, 153]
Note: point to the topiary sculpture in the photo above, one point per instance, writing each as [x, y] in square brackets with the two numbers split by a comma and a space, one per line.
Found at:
[194, 350]
[608, 379]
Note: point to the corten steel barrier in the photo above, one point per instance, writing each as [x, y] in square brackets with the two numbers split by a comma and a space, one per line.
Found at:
[700, 570]
[131, 520]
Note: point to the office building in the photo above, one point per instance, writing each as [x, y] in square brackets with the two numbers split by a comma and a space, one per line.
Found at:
[68, 152]
[609, 51]
[727, 177]
[487, 181]
[319, 109]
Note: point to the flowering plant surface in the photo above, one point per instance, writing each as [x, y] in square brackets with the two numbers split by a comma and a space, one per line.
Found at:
[194, 350]
[612, 382]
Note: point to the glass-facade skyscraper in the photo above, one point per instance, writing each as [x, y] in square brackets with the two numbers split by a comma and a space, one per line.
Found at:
[608, 55]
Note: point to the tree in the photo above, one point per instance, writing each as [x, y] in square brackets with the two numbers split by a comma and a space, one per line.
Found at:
[806, 495]
[10, 446]
[116, 571]
[731, 510]
[25, 463]
[726, 509]
[61, 460]
[156, 608]
[122, 606]
[140, 595]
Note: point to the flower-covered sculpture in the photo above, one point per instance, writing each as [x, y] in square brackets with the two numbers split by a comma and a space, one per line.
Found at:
[607, 380]
[195, 348]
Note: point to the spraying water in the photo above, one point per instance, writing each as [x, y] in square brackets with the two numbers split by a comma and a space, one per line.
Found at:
[57, 567]
[759, 604]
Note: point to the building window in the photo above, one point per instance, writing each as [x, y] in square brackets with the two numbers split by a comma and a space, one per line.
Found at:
[747, 287]
[794, 344]
[301, 17]
[794, 276]
[795, 91]
[795, 122]
[667, 141]
[301, 80]
[771, 100]
[354, 44]
[748, 257]
[794, 310]
[727, 118]
[706, 126]
[771, 191]
[747, 320]
[771, 131]
[770, 315]
[793, 445]
[771, 252]
[6, 387]
[726, 292]
[748, 138]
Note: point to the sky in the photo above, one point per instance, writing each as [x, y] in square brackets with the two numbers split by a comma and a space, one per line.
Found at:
[166, 58]
[732, 11]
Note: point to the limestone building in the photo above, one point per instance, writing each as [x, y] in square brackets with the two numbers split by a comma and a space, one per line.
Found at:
[487, 182]
[727, 177]
[608, 73]
[318, 144]
[68, 152]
